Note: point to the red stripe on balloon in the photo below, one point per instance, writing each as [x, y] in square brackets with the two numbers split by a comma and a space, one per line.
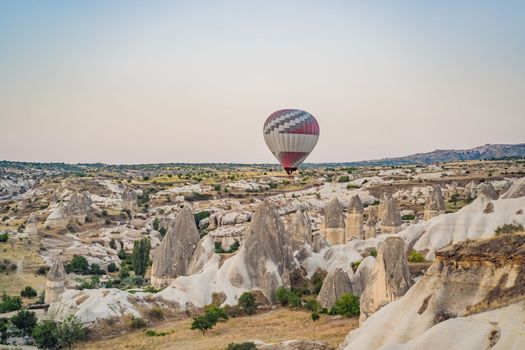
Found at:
[309, 127]
[290, 159]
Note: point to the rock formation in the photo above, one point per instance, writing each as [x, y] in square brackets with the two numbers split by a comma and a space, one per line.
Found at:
[266, 252]
[316, 243]
[129, 199]
[470, 298]
[336, 283]
[371, 222]
[55, 282]
[435, 204]
[385, 197]
[31, 225]
[516, 190]
[57, 219]
[391, 220]
[486, 189]
[354, 219]
[334, 224]
[77, 207]
[389, 279]
[362, 275]
[175, 252]
[301, 230]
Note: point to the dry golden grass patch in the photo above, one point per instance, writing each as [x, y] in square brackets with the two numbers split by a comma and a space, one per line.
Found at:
[274, 326]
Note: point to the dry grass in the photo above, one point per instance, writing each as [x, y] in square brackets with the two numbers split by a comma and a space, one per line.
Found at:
[274, 326]
[21, 251]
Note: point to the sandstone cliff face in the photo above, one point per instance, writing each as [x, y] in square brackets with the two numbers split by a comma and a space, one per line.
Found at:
[481, 284]
[391, 219]
[336, 283]
[516, 190]
[371, 222]
[175, 252]
[301, 230]
[267, 252]
[55, 282]
[354, 219]
[389, 279]
[333, 223]
[435, 203]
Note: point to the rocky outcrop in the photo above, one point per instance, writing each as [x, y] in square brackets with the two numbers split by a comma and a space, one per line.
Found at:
[31, 225]
[333, 226]
[336, 283]
[267, 252]
[57, 219]
[486, 189]
[391, 220]
[129, 199]
[301, 230]
[474, 289]
[55, 282]
[228, 217]
[362, 275]
[354, 219]
[389, 279]
[516, 190]
[175, 252]
[77, 207]
[435, 204]
[371, 222]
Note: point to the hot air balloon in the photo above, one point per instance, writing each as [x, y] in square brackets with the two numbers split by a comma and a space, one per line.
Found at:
[291, 134]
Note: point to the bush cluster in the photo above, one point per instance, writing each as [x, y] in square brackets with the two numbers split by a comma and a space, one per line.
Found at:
[210, 318]
[415, 256]
[508, 228]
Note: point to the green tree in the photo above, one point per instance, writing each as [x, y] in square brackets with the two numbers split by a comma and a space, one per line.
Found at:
[28, 292]
[113, 244]
[156, 224]
[3, 331]
[45, 335]
[9, 304]
[247, 303]
[347, 305]
[78, 264]
[70, 332]
[124, 272]
[201, 323]
[25, 321]
[140, 257]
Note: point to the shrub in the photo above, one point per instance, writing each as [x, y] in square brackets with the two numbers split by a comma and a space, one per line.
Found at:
[70, 331]
[408, 217]
[355, 265]
[4, 237]
[215, 313]
[5, 218]
[201, 323]
[9, 304]
[312, 305]
[156, 224]
[508, 228]
[201, 215]
[242, 346]
[124, 272]
[28, 292]
[156, 313]
[151, 289]
[247, 303]
[217, 187]
[45, 335]
[112, 267]
[113, 244]
[344, 178]
[78, 264]
[162, 231]
[287, 297]
[137, 322]
[415, 256]
[347, 305]
[152, 333]
[25, 321]
[95, 269]
[373, 252]
[315, 316]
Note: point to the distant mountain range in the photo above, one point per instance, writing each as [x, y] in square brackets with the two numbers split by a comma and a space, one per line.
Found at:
[439, 156]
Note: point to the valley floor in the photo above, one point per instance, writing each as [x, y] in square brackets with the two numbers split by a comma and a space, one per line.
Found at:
[274, 326]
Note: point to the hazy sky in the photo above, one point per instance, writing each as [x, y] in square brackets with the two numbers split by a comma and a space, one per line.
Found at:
[193, 81]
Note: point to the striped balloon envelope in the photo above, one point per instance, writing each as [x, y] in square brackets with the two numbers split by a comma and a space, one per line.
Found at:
[291, 134]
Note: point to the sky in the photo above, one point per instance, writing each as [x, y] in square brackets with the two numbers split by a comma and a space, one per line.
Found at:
[193, 81]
